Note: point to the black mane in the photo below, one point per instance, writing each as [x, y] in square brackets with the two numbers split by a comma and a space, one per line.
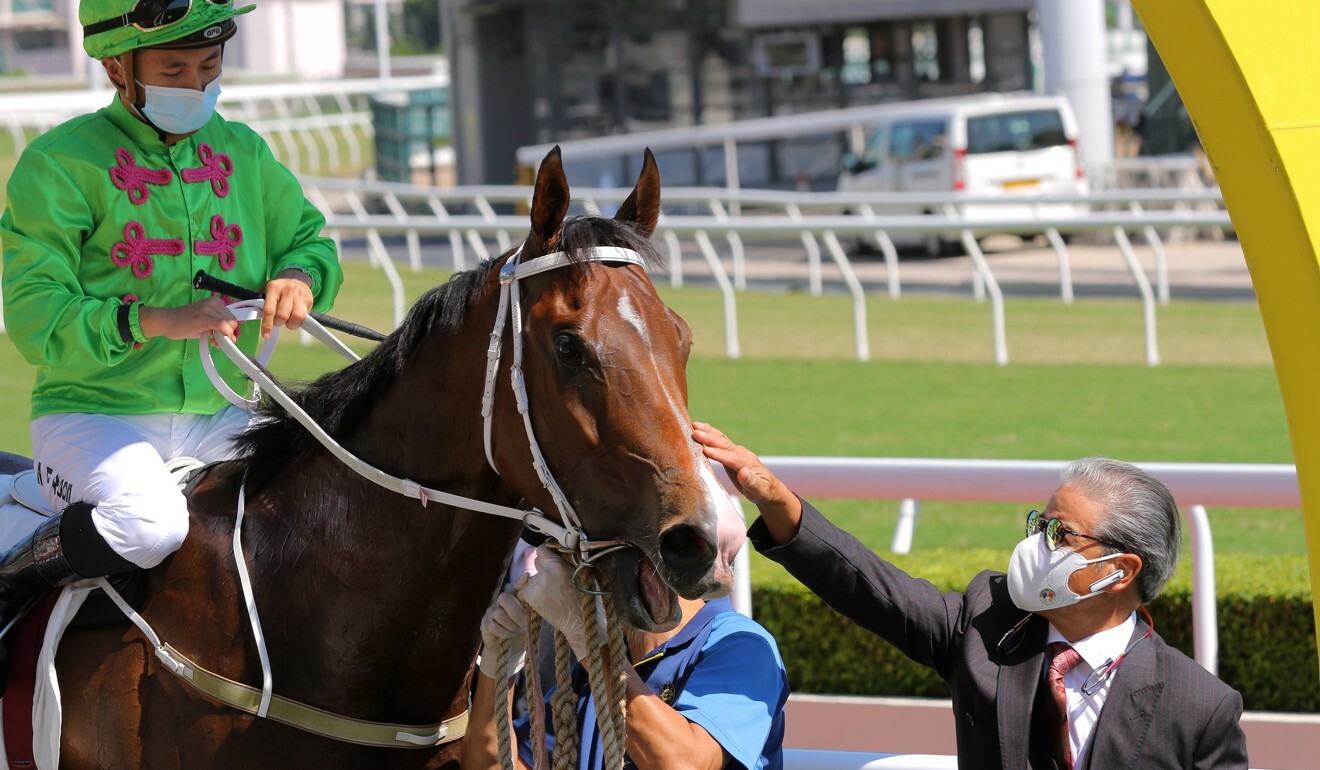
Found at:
[339, 400]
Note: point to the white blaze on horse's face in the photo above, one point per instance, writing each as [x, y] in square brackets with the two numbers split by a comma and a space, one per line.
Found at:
[716, 507]
[730, 526]
[629, 313]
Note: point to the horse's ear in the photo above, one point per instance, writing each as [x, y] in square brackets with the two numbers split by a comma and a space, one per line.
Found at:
[642, 207]
[549, 204]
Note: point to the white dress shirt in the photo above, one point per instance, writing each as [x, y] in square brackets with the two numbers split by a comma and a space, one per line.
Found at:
[1097, 650]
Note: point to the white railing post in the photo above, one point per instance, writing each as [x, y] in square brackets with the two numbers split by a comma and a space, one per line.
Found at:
[891, 254]
[1147, 296]
[813, 251]
[1205, 631]
[675, 259]
[731, 347]
[908, 510]
[982, 268]
[1065, 266]
[1161, 260]
[862, 345]
[375, 244]
[742, 567]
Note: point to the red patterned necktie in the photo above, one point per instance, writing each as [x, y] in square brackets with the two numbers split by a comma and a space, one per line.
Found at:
[1062, 660]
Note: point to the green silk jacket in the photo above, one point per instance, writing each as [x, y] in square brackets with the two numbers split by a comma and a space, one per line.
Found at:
[101, 213]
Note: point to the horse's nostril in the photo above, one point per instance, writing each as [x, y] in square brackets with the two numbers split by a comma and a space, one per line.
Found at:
[685, 548]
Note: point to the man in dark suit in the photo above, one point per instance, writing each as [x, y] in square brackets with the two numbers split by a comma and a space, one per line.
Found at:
[1106, 544]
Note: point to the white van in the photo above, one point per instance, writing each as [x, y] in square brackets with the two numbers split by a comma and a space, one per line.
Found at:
[988, 145]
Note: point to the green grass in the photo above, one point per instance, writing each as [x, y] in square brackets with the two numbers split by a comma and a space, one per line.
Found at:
[1076, 386]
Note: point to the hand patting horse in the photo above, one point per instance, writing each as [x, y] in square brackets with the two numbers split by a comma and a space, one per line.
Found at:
[370, 601]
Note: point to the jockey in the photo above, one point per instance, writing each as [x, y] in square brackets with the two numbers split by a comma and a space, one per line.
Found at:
[108, 217]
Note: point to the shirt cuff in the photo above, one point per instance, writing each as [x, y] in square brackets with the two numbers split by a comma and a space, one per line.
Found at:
[307, 272]
[135, 323]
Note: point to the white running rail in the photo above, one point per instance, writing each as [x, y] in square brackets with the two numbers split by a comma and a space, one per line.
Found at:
[411, 220]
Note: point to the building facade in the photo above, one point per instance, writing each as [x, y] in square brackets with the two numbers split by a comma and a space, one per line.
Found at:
[533, 71]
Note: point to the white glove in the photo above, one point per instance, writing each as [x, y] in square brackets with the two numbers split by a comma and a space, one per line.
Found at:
[504, 619]
[551, 593]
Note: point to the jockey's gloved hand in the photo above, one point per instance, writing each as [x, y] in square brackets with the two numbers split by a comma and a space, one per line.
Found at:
[552, 594]
[504, 619]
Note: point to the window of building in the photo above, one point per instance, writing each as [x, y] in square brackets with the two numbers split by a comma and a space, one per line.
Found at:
[882, 52]
[975, 51]
[925, 51]
[856, 67]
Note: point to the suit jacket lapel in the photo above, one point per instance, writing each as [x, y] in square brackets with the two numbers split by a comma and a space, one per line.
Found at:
[1019, 677]
[1134, 692]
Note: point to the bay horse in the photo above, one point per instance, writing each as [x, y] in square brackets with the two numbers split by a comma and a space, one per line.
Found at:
[370, 601]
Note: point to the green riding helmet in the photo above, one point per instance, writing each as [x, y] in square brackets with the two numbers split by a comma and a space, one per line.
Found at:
[113, 27]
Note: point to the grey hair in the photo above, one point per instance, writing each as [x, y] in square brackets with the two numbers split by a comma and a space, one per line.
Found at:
[1140, 513]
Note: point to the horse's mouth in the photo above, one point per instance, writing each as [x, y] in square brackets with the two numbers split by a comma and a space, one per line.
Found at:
[656, 597]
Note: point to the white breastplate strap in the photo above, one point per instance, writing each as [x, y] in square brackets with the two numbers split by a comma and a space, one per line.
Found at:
[286, 710]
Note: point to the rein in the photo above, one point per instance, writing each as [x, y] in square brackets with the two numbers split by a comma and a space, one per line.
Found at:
[570, 536]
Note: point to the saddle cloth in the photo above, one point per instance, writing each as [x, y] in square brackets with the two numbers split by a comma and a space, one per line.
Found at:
[22, 509]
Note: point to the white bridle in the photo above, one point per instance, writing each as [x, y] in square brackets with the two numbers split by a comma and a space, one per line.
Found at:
[570, 535]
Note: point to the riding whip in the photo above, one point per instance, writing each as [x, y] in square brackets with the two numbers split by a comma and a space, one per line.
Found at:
[207, 282]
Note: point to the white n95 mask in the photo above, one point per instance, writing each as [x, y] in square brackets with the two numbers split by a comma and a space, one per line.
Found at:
[1038, 577]
[180, 110]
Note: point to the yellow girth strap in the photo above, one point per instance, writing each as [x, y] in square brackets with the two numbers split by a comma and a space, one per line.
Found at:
[312, 719]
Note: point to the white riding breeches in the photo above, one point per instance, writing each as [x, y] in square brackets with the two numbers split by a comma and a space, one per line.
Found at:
[117, 463]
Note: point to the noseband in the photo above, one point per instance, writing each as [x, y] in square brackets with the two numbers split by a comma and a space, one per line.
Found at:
[571, 538]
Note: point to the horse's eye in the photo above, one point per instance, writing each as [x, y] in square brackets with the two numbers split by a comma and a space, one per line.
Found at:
[569, 349]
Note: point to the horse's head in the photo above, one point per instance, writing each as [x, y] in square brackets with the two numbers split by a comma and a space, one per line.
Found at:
[604, 362]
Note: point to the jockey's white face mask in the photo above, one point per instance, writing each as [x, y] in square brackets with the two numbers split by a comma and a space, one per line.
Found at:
[179, 110]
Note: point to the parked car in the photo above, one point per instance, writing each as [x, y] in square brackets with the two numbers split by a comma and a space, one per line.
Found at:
[991, 145]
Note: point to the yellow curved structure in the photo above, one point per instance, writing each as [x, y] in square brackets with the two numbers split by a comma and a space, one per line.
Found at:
[1250, 78]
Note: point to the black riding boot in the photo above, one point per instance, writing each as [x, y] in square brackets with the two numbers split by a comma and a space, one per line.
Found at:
[64, 548]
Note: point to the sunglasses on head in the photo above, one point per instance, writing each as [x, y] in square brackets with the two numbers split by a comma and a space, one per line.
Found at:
[149, 16]
[1055, 532]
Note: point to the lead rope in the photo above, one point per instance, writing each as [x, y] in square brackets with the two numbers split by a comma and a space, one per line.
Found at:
[610, 691]
[620, 662]
[608, 687]
[563, 706]
[503, 730]
[535, 697]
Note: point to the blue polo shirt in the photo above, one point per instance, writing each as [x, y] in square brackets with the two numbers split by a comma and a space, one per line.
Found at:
[722, 671]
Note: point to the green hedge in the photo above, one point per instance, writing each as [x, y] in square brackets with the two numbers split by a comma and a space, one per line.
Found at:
[1266, 630]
